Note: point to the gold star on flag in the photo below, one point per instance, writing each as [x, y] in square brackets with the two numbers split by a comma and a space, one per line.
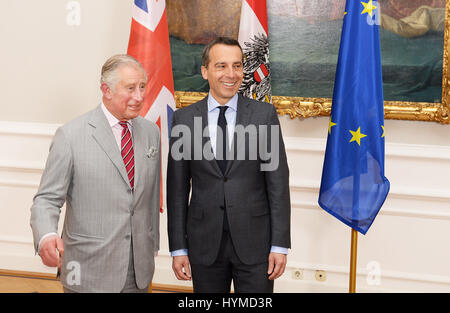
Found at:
[368, 7]
[357, 135]
[382, 126]
[331, 124]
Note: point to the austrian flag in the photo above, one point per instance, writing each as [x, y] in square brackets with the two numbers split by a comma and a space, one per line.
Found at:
[261, 73]
[254, 40]
[149, 44]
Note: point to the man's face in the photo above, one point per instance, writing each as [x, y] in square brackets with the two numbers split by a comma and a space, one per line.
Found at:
[224, 72]
[126, 100]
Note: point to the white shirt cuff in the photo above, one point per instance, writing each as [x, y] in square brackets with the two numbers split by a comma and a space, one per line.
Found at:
[279, 250]
[179, 252]
[275, 249]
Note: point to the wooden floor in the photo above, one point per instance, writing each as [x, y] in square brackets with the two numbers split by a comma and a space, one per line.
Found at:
[13, 284]
[18, 284]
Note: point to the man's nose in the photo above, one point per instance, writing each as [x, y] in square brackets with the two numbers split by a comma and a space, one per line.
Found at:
[138, 95]
[230, 71]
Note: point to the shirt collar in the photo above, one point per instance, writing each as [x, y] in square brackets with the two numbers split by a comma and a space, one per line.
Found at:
[213, 104]
[112, 120]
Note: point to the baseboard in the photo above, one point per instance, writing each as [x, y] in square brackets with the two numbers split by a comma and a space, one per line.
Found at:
[24, 274]
[171, 288]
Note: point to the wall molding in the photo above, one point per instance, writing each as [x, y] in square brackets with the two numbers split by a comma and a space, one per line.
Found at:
[28, 128]
[16, 239]
[302, 144]
[291, 143]
[337, 278]
[417, 193]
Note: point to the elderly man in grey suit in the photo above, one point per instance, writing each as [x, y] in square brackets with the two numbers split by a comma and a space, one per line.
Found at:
[105, 165]
[235, 226]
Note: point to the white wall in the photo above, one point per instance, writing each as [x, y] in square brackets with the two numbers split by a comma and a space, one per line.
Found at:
[49, 69]
[50, 73]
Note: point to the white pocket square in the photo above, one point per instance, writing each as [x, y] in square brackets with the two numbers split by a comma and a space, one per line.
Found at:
[151, 153]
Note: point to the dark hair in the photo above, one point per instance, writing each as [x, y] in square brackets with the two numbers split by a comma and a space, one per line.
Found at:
[219, 40]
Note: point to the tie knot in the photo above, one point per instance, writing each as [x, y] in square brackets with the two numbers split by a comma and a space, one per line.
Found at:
[222, 109]
[123, 124]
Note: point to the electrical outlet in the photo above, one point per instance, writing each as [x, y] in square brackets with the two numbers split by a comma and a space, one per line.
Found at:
[297, 274]
[321, 276]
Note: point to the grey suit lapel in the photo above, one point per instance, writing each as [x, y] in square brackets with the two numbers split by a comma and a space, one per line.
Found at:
[139, 147]
[102, 133]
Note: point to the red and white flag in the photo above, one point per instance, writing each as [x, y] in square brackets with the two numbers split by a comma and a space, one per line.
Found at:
[149, 44]
[254, 40]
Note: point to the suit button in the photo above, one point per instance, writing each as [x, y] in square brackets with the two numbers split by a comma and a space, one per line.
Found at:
[225, 179]
[127, 237]
[222, 207]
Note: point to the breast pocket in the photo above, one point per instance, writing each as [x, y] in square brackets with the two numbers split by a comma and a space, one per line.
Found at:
[150, 164]
[152, 153]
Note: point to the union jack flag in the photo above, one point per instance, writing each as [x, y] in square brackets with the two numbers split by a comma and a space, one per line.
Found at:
[149, 44]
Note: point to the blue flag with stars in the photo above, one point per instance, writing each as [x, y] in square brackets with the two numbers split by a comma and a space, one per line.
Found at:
[353, 186]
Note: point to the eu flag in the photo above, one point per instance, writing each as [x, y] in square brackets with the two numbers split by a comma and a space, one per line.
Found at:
[354, 187]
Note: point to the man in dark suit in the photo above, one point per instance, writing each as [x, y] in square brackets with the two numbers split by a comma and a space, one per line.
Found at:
[236, 224]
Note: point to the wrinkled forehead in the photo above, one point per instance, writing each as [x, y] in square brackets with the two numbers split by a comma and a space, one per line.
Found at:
[131, 73]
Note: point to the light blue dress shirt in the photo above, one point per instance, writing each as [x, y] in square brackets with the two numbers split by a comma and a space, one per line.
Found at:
[230, 116]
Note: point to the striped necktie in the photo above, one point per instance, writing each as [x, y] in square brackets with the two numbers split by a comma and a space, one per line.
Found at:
[127, 152]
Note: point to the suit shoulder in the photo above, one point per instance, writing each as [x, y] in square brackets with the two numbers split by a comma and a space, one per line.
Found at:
[146, 123]
[261, 106]
[78, 123]
[191, 109]
[148, 126]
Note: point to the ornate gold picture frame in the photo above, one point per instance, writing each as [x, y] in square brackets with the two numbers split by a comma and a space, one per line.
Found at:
[302, 107]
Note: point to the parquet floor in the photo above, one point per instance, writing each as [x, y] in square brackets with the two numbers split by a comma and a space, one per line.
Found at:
[15, 284]
[11, 284]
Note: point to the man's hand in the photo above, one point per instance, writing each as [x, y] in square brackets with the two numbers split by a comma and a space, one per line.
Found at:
[52, 251]
[277, 265]
[181, 267]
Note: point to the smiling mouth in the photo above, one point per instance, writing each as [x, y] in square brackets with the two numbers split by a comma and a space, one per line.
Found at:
[229, 84]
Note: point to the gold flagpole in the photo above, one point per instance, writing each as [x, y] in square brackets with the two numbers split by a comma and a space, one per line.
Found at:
[354, 247]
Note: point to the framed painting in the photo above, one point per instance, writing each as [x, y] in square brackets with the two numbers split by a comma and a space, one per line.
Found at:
[304, 44]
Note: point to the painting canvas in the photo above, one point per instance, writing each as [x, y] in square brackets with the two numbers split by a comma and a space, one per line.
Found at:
[304, 44]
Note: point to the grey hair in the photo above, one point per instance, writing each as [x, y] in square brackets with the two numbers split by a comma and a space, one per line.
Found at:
[109, 69]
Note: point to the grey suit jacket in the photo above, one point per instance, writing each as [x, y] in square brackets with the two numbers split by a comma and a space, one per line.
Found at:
[257, 202]
[103, 216]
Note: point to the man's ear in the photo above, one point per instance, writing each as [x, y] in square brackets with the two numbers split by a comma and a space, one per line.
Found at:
[106, 91]
[204, 72]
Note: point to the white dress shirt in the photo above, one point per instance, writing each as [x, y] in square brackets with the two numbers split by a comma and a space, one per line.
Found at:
[213, 117]
[115, 126]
